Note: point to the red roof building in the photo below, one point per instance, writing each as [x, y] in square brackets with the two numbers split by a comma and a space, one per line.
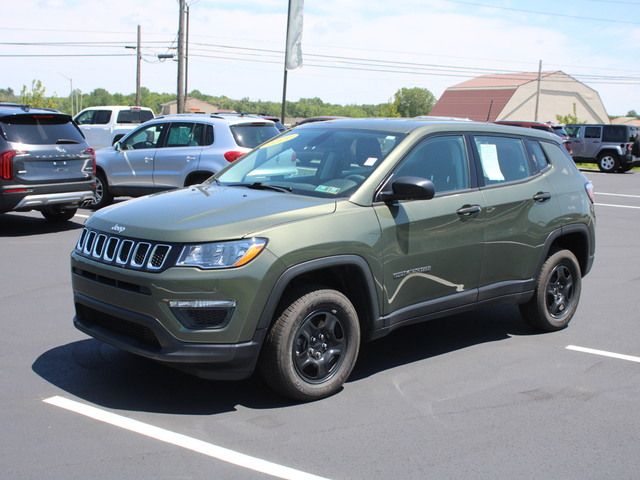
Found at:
[514, 97]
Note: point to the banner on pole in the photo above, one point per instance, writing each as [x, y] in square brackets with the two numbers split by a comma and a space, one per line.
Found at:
[293, 54]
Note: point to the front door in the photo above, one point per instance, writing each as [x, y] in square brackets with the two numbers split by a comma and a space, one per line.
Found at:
[432, 249]
[134, 164]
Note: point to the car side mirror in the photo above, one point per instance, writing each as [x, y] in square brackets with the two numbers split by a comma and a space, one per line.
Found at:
[117, 146]
[409, 188]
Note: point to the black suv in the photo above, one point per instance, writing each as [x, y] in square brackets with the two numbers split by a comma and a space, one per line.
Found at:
[45, 162]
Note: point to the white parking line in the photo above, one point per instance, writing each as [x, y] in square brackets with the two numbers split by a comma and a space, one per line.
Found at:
[603, 353]
[618, 195]
[617, 206]
[189, 443]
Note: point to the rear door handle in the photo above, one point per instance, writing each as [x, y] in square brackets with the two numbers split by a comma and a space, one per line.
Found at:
[542, 197]
[468, 210]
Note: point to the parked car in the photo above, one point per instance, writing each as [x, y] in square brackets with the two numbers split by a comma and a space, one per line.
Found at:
[103, 126]
[174, 151]
[287, 268]
[610, 146]
[546, 127]
[45, 163]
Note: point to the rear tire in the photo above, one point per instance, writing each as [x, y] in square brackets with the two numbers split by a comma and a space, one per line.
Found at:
[312, 347]
[608, 162]
[58, 214]
[557, 293]
[103, 196]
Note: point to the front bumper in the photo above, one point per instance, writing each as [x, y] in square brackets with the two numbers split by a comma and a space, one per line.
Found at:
[143, 335]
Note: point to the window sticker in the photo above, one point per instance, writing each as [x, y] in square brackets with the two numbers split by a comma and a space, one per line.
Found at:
[327, 189]
[370, 162]
[490, 165]
[279, 140]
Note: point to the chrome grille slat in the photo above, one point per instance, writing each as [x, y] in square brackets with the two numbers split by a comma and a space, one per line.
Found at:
[123, 252]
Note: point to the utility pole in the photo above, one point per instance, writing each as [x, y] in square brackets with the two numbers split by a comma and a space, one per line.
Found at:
[186, 59]
[138, 62]
[535, 118]
[181, 45]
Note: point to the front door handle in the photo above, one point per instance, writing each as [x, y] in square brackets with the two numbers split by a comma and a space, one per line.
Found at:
[468, 210]
[148, 159]
[542, 197]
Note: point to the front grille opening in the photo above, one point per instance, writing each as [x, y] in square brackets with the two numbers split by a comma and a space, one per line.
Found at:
[141, 334]
[124, 252]
[158, 256]
[139, 254]
[88, 246]
[99, 246]
[112, 248]
[81, 240]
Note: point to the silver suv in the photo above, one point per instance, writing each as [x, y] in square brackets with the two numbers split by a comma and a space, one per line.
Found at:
[175, 151]
[610, 146]
[45, 163]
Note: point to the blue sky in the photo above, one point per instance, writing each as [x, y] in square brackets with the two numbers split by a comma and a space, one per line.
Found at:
[354, 51]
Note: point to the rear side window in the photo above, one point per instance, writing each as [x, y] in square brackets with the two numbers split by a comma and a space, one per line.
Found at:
[134, 116]
[538, 158]
[503, 159]
[592, 132]
[40, 129]
[251, 135]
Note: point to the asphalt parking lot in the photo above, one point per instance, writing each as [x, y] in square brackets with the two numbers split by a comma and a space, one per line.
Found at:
[477, 395]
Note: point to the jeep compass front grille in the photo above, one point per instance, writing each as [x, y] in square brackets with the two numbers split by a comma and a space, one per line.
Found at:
[125, 252]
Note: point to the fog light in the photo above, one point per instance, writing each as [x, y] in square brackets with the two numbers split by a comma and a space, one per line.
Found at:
[202, 314]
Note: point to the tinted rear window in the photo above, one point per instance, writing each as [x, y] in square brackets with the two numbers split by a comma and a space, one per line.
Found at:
[134, 116]
[618, 133]
[40, 129]
[251, 135]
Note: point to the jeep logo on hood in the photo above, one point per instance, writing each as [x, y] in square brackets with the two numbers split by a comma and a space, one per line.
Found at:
[118, 228]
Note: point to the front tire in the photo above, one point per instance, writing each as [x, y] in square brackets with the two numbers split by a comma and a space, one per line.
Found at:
[312, 347]
[557, 293]
[608, 162]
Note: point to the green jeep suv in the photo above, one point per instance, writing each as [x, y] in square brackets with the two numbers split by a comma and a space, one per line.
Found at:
[335, 233]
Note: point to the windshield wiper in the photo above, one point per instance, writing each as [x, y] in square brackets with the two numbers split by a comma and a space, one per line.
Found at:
[262, 186]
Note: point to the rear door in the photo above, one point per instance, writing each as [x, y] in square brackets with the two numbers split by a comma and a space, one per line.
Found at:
[592, 141]
[95, 124]
[519, 211]
[49, 148]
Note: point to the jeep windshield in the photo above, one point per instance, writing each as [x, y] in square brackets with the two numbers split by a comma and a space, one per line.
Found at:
[320, 162]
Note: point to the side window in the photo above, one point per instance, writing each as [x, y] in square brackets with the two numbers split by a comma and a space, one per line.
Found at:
[102, 117]
[443, 160]
[182, 135]
[538, 158]
[85, 118]
[147, 137]
[207, 135]
[592, 132]
[503, 159]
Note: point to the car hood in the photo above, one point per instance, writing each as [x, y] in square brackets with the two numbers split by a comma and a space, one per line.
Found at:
[207, 213]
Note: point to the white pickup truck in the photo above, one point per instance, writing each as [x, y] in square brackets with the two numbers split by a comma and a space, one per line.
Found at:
[103, 126]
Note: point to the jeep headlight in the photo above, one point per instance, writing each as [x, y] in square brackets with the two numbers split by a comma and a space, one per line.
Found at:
[221, 254]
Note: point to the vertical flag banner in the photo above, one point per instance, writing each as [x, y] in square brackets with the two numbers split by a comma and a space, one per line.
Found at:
[293, 58]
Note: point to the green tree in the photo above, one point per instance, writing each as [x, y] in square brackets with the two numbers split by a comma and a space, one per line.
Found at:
[36, 96]
[632, 113]
[570, 118]
[411, 102]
